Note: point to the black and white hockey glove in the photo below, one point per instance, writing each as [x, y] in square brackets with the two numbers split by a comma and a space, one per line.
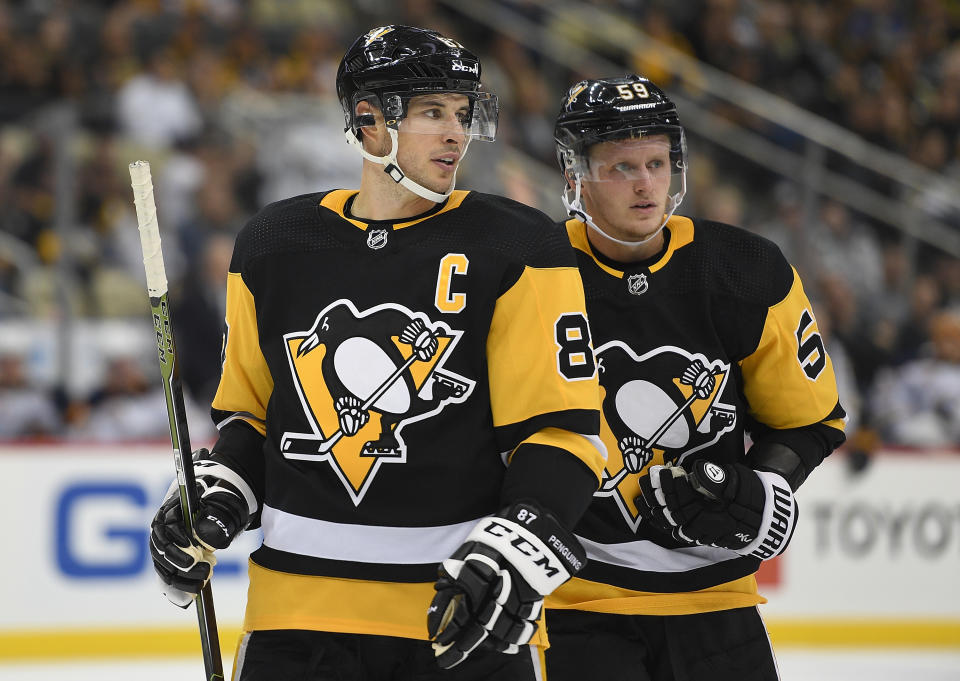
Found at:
[726, 505]
[226, 504]
[491, 590]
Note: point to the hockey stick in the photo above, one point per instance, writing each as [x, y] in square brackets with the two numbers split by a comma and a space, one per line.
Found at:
[323, 445]
[179, 436]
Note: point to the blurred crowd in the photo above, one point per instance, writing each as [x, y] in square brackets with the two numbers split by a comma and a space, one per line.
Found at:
[233, 102]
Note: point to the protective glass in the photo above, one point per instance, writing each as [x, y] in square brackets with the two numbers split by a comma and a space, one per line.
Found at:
[629, 155]
[473, 114]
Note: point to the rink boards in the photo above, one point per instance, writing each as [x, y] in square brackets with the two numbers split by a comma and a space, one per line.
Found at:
[874, 561]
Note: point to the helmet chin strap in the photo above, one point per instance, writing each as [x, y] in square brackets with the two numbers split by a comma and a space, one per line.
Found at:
[392, 168]
[576, 210]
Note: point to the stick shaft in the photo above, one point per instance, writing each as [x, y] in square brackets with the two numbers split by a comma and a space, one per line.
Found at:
[173, 392]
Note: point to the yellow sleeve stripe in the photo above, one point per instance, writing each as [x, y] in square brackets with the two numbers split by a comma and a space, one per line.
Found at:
[778, 390]
[589, 449]
[522, 350]
[245, 384]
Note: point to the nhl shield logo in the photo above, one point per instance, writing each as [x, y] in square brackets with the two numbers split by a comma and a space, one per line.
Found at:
[637, 284]
[377, 238]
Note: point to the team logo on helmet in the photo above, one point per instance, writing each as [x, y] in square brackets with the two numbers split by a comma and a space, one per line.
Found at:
[361, 378]
[575, 92]
[376, 33]
[657, 407]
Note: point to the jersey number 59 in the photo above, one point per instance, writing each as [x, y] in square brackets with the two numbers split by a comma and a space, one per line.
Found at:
[810, 351]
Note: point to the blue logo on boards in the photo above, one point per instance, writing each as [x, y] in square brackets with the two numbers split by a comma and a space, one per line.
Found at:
[117, 516]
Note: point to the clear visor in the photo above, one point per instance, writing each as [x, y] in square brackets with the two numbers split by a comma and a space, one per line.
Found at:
[472, 114]
[645, 155]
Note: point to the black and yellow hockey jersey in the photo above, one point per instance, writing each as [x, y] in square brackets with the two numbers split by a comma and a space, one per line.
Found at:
[708, 340]
[378, 381]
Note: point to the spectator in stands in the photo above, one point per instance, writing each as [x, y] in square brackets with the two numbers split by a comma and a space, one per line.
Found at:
[156, 108]
[918, 404]
[200, 310]
[913, 333]
[889, 76]
[844, 246]
[25, 409]
[128, 406]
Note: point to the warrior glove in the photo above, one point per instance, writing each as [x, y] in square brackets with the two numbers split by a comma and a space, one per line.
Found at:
[226, 504]
[724, 505]
[491, 590]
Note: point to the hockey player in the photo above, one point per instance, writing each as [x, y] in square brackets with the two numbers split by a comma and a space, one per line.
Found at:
[408, 387]
[702, 333]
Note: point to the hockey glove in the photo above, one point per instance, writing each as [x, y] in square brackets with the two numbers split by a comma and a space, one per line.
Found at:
[491, 590]
[226, 504]
[724, 505]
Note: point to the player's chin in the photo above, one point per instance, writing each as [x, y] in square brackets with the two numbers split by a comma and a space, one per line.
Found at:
[439, 183]
[641, 228]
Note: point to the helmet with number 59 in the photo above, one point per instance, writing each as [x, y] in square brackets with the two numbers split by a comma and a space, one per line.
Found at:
[611, 109]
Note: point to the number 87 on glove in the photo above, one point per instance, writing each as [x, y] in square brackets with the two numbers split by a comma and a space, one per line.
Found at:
[490, 591]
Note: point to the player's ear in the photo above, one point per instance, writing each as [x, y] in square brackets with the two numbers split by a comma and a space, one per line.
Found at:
[367, 111]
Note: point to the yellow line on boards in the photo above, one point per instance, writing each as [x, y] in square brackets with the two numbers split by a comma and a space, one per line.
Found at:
[107, 643]
[145, 642]
[884, 633]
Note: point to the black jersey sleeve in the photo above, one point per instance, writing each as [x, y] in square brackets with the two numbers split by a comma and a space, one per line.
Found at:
[544, 394]
[789, 381]
[239, 407]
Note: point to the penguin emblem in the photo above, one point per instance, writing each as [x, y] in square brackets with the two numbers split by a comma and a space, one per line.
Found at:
[657, 407]
[361, 377]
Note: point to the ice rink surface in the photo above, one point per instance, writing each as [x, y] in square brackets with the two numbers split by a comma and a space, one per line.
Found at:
[795, 665]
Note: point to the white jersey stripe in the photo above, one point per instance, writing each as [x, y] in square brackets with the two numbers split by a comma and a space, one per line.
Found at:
[645, 555]
[361, 543]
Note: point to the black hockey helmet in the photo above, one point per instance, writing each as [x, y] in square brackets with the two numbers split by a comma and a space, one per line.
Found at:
[391, 64]
[630, 107]
[607, 109]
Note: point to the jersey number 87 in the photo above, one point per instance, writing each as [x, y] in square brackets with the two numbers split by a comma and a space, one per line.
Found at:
[575, 360]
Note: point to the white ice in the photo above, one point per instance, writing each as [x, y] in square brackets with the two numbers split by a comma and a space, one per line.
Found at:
[795, 665]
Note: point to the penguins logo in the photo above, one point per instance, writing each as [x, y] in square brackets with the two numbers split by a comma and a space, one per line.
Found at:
[361, 377]
[658, 407]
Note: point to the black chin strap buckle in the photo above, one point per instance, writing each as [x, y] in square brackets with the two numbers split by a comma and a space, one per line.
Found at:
[394, 172]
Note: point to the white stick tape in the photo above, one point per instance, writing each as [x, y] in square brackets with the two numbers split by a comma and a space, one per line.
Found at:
[149, 228]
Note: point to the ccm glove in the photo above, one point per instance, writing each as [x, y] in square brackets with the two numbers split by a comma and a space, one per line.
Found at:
[226, 504]
[724, 505]
[491, 590]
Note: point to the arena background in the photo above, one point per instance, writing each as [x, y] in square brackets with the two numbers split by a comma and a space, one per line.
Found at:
[832, 128]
